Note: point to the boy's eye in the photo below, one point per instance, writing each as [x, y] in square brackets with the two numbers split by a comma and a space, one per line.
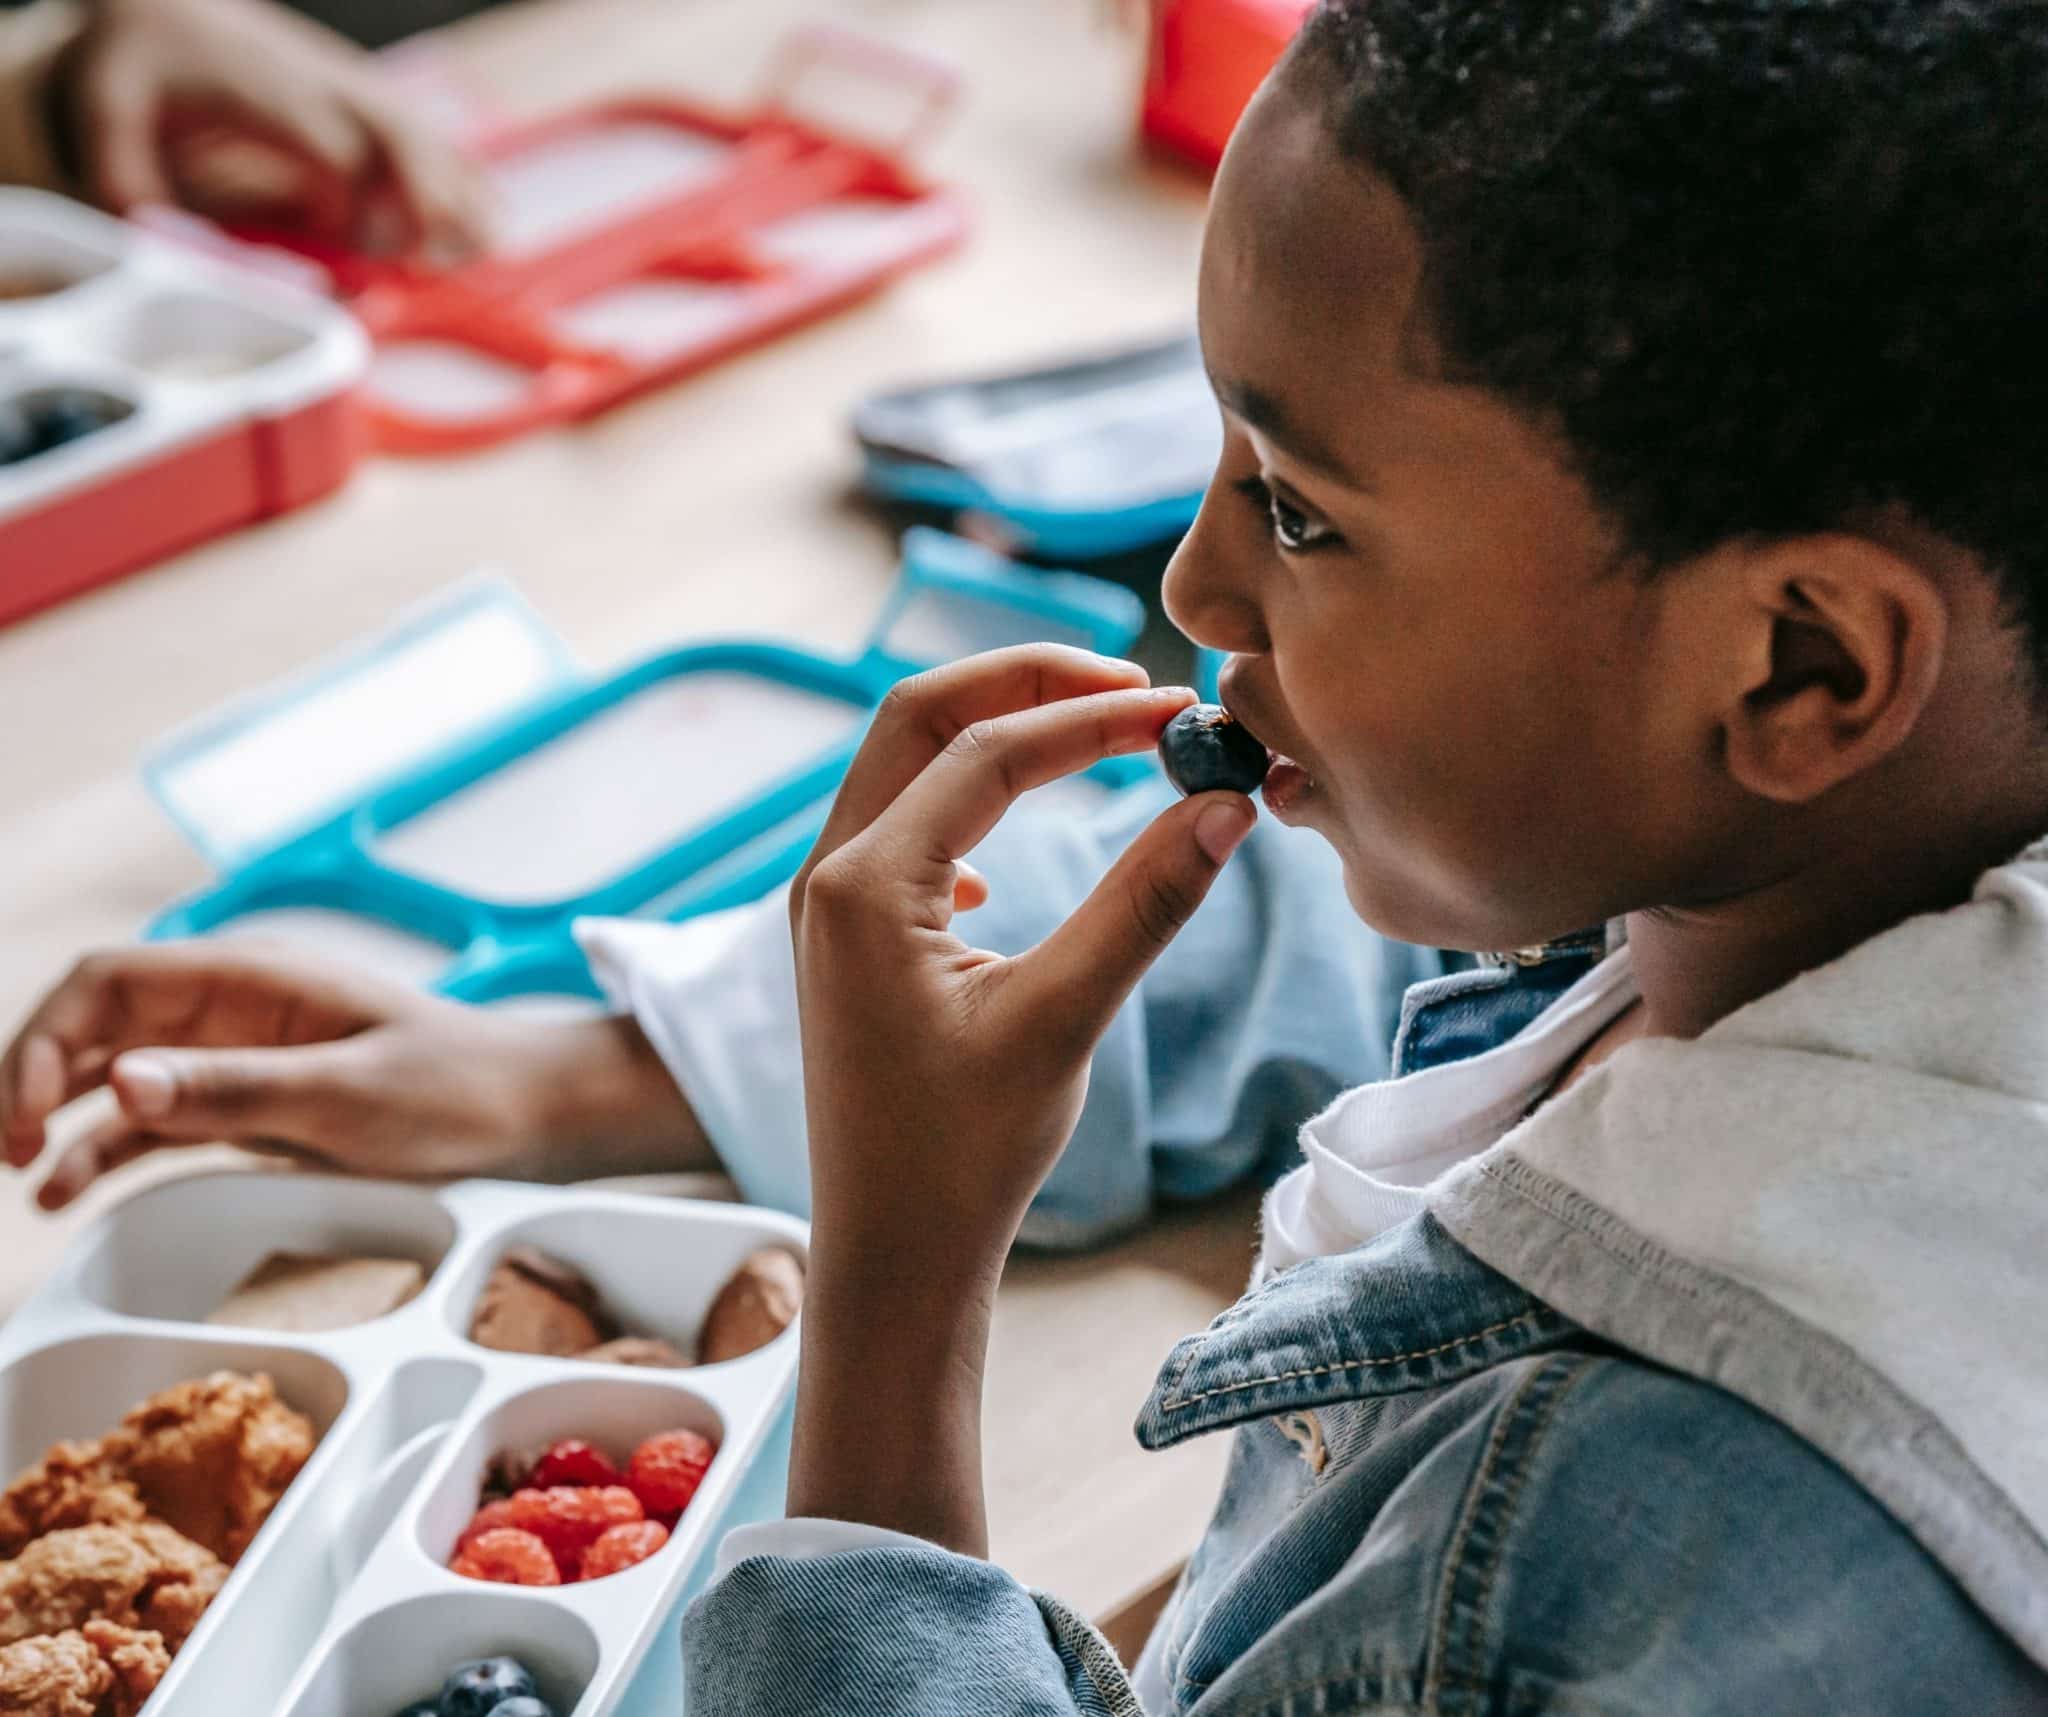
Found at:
[1293, 530]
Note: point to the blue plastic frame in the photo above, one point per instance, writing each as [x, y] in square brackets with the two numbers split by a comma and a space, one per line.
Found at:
[499, 950]
[1068, 534]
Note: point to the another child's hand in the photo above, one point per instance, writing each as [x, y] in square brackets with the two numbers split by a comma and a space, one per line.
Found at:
[207, 1041]
[145, 72]
[942, 1082]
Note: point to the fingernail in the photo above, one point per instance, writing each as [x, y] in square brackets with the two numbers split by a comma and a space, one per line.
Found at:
[148, 1085]
[1221, 826]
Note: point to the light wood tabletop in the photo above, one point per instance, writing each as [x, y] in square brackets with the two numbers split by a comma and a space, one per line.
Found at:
[716, 506]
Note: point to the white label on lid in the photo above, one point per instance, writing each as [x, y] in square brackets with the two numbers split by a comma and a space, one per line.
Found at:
[276, 762]
[615, 790]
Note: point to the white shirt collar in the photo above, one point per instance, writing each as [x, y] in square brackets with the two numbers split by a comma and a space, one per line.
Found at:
[1371, 1153]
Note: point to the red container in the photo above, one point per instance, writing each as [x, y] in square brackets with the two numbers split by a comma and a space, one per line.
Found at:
[199, 398]
[643, 240]
[1208, 57]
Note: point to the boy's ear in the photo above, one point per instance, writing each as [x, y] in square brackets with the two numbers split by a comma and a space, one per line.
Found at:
[1844, 647]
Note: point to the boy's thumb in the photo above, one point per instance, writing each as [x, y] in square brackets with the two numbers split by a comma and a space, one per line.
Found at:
[293, 1095]
[1087, 967]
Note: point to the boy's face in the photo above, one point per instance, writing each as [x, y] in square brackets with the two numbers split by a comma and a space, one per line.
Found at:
[1490, 719]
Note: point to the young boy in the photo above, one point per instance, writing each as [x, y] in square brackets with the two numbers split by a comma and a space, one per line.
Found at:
[1630, 513]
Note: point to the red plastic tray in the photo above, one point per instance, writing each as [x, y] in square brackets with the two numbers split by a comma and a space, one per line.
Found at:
[711, 234]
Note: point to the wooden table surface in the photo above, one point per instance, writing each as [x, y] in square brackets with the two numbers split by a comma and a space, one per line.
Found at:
[718, 505]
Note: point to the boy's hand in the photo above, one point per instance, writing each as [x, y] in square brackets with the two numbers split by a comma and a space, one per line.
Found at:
[207, 1041]
[942, 1082]
[146, 72]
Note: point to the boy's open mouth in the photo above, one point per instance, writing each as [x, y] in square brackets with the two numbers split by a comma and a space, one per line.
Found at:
[1286, 780]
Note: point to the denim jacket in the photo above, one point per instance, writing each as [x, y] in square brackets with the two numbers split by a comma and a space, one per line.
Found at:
[1445, 1496]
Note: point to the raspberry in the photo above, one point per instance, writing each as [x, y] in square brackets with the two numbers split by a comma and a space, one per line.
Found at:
[568, 1518]
[510, 1557]
[489, 1518]
[665, 1471]
[620, 1547]
[573, 1462]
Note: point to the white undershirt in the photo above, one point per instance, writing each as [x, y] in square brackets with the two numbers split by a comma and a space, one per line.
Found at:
[1370, 1156]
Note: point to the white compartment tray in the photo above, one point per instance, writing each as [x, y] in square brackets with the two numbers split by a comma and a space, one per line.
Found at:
[189, 345]
[344, 1605]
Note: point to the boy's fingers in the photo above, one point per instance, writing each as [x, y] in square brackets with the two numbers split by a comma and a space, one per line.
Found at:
[924, 714]
[965, 791]
[970, 887]
[1079, 976]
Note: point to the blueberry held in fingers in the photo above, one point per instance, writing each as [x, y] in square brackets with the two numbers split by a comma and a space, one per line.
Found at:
[1205, 748]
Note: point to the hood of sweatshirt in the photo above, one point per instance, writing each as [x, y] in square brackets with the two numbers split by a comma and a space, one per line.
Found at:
[1833, 1204]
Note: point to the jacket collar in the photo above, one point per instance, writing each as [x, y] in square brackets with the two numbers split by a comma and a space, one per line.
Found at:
[1410, 1310]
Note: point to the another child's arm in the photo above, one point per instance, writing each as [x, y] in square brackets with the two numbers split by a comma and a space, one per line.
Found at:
[204, 1041]
[93, 95]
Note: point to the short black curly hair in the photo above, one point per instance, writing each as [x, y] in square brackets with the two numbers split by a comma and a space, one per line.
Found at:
[1766, 265]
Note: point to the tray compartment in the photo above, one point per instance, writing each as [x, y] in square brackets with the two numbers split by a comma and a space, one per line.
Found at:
[81, 1387]
[187, 335]
[42, 255]
[40, 423]
[561, 186]
[437, 379]
[403, 1653]
[616, 1413]
[176, 1251]
[656, 1272]
[262, 1628]
[856, 234]
[656, 317]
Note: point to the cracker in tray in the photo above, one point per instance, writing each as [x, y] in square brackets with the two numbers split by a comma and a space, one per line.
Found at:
[310, 1293]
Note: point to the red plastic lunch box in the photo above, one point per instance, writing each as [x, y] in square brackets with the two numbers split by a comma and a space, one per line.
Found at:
[1208, 56]
[153, 395]
[642, 240]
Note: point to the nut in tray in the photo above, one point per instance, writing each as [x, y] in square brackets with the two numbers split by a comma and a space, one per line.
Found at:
[344, 1604]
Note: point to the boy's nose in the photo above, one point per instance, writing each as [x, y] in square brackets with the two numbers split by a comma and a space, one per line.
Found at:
[1207, 592]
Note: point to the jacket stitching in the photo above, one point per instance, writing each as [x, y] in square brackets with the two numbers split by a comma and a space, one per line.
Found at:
[1280, 1702]
[1533, 1315]
[1555, 1385]
[1546, 1411]
[1092, 1655]
[1440, 1625]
